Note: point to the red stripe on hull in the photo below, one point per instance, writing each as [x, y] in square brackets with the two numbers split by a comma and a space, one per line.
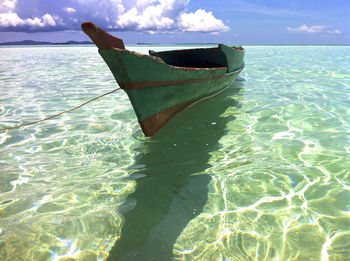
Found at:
[155, 122]
[146, 84]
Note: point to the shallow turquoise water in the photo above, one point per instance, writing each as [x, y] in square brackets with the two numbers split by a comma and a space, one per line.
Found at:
[260, 172]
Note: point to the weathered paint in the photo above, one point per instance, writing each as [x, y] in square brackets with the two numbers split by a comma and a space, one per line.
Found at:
[234, 57]
[162, 84]
[152, 100]
[145, 84]
[128, 66]
[102, 39]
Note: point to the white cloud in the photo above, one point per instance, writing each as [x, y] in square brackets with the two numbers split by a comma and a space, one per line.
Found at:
[201, 21]
[7, 6]
[313, 29]
[9, 18]
[70, 10]
[150, 19]
[124, 15]
[48, 20]
[13, 20]
[307, 29]
[335, 32]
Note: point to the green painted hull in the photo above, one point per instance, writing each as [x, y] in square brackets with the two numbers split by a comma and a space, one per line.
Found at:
[162, 84]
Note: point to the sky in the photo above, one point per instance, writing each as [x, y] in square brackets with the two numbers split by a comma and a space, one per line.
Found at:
[255, 22]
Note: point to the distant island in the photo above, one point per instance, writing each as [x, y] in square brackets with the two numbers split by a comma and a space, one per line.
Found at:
[30, 42]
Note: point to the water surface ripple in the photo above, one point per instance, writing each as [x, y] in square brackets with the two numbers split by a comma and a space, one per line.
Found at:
[260, 172]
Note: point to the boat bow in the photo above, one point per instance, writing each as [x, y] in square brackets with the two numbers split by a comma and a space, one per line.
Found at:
[101, 38]
[162, 84]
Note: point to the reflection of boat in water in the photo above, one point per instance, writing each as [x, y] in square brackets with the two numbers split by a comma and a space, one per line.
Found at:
[170, 172]
[162, 84]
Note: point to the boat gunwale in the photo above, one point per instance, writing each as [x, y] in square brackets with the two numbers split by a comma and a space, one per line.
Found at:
[240, 49]
[160, 60]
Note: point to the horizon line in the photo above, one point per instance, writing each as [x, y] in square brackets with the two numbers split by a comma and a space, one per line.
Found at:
[73, 42]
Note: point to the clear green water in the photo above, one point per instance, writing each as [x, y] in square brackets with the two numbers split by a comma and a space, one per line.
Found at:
[260, 172]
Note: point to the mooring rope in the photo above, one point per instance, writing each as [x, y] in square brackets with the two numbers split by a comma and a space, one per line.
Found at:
[58, 114]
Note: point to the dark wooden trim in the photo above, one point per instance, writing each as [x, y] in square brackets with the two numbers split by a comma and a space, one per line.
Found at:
[101, 38]
[190, 50]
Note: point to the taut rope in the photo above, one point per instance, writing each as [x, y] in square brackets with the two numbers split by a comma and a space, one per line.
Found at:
[58, 114]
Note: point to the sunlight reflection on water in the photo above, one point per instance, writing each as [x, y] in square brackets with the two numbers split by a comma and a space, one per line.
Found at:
[260, 172]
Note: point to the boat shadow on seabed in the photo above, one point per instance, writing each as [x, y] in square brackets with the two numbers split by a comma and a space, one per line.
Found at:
[172, 187]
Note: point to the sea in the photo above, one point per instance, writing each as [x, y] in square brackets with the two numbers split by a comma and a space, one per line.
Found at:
[259, 172]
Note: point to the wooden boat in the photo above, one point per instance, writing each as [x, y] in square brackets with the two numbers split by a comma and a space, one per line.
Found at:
[162, 84]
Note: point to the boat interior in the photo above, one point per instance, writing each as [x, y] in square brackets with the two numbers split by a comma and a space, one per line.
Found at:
[191, 58]
[198, 58]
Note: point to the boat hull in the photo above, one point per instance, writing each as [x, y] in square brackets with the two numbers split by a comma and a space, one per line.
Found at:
[159, 91]
[162, 84]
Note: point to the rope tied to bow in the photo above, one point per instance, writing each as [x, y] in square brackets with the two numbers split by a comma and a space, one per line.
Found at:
[58, 114]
